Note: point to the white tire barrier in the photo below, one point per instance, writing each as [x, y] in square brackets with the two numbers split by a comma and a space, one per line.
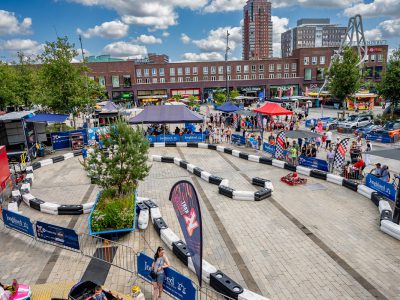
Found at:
[390, 228]
[159, 145]
[220, 148]
[169, 237]
[207, 269]
[254, 158]
[249, 295]
[156, 158]
[68, 156]
[243, 195]
[155, 213]
[278, 163]
[365, 191]
[181, 144]
[334, 179]
[46, 162]
[203, 145]
[143, 219]
[302, 170]
[235, 153]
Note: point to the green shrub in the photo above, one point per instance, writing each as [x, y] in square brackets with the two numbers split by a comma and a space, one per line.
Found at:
[113, 212]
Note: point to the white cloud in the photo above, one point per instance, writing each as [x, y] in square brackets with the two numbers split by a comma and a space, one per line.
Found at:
[148, 39]
[158, 14]
[165, 34]
[202, 56]
[224, 5]
[280, 25]
[386, 29]
[125, 50]
[27, 46]
[377, 8]
[373, 34]
[185, 38]
[114, 29]
[216, 40]
[9, 24]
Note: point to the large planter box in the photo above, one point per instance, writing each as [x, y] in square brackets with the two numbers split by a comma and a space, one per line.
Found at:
[111, 234]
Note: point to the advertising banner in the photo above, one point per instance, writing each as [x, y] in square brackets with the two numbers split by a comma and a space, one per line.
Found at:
[238, 139]
[151, 138]
[280, 145]
[340, 154]
[58, 235]
[92, 132]
[162, 138]
[385, 188]
[60, 140]
[186, 204]
[175, 284]
[18, 222]
[313, 163]
[269, 148]
[198, 137]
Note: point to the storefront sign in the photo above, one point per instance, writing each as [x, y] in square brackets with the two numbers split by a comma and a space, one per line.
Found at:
[269, 148]
[382, 187]
[165, 138]
[60, 140]
[175, 284]
[313, 163]
[250, 89]
[198, 137]
[238, 139]
[58, 235]
[18, 222]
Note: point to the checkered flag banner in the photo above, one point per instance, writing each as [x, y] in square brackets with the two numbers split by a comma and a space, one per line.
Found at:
[235, 121]
[279, 145]
[340, 154]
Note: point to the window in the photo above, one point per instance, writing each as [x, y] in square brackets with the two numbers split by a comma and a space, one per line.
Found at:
[260, 76]
[153, 72]
[187, 71]
[180, 79]
[271, 76]
[229, 77]
[205, 78]
[171, 71]
[127, 81]
[253, 76]
[286, 75]
[314, 60]
[187, 79]
[102, 80]
[246, 69]
[380, 57]
[228, 69]
[278, 67]
[172, 79]
[194, 71]
[261, 68]
[253, 68]
[246, 77]
[238, 77]
[115, 81]
[306, 60]
[220, 77]
[279, 76]
[161, 72]
[138, 72]
[205, 70]
[293, 75]
[220, 70]
[307, 74]
[180, 71]
[286, 67]
[147, 80]
[139, 80]
[294, 66]
[213, 78]
[154, 80]
[238, 69]
[320, 74]
[195, 78]
[212, 69]
[372, 57]
[322, 60]
[162, 80]
[146, 72]
[271, 67]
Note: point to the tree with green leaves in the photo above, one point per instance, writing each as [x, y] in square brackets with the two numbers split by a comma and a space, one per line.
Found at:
[191, 100]
[126, 161]
[233, 94]
[7, 85]
[389, 87]
[65, 88]
[344, 76]
[219, 97]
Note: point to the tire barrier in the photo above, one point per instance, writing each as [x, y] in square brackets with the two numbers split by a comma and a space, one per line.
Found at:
[385, 211]
[392, 229]
[289, 167]
[265, 183]
[48, 207]
[210, 274]
[223, 189]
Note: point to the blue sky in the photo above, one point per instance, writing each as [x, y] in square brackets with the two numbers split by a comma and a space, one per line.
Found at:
[182, 29]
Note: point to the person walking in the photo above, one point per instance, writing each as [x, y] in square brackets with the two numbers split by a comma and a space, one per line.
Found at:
[160, 263]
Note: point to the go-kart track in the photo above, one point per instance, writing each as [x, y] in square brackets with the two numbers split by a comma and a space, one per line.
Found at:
[317, 240]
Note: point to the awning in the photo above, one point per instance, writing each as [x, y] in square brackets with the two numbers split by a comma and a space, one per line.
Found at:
[273, 109]
[41, 118]
[17, 115]
[174, 114]
[228, 107]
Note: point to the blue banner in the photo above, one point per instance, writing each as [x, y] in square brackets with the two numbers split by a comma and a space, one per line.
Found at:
[58, 235]
[18, 222]
[313, 163]
[151, 138]
[377, 137]
[269, 148]
[382, 187]
[168, 138]
[92, 132]
[60, 140]
[175, 283]
[198, 137]
[186, 204]
[238, 139]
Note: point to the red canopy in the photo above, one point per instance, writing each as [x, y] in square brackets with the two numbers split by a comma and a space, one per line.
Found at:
[273, 109]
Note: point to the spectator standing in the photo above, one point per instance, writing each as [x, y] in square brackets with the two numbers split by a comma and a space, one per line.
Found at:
[330, 156]
[385, 175]
[160, 263]
[328, 139]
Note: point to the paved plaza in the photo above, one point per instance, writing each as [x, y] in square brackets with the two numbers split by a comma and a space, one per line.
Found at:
[302, 243]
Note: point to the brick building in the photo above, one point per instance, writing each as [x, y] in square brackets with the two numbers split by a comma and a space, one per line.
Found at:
[148, 79]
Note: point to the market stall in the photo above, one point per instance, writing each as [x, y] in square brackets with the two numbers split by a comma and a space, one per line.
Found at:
[361, 101]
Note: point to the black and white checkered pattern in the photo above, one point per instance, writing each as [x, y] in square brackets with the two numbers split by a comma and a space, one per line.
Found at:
[280, 140]
[340, 154]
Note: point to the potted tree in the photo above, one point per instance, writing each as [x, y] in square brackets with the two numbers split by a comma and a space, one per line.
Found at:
[116, 165]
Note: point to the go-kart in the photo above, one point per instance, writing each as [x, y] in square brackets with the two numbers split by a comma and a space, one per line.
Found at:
[23, 293]
[84, 290]
[293, 179]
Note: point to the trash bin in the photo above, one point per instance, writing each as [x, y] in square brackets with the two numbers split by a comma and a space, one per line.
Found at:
[40, 152]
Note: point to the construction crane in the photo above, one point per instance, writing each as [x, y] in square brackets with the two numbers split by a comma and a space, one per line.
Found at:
[354, 37]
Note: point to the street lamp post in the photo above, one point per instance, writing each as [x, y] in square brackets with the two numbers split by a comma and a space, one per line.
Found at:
[226, 64]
